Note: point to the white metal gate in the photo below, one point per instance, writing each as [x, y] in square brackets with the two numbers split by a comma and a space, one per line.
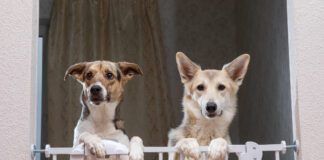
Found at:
[249, 151]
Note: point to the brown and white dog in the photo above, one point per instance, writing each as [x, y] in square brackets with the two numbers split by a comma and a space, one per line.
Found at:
[209, 105]
[103, 86]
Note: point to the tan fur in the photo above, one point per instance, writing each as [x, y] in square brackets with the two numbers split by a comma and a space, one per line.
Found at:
[196, 122]
[98, 117]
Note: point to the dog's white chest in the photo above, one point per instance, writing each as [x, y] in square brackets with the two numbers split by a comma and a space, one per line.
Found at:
[206, 131]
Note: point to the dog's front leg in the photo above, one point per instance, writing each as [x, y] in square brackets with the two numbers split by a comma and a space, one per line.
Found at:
[189, 147]
[217, 149]
[136, 149]
[93, 143]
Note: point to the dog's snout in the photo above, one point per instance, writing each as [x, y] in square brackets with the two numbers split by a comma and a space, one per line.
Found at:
[211, 107]
[96, 89]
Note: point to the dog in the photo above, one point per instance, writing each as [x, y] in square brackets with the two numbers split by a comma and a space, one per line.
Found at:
[209, 105]
[103, 86]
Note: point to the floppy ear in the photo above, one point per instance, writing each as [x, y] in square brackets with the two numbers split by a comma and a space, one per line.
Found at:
[237, 68]
[76, 71]
[129, 70]
[186, 67]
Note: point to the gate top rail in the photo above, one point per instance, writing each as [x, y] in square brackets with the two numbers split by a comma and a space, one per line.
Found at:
[250, 150]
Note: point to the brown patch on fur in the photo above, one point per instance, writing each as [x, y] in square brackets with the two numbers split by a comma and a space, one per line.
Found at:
[99, 70]
[119, 124]
[192, 120]
[76, 70]
[85, 110]
[129, 70]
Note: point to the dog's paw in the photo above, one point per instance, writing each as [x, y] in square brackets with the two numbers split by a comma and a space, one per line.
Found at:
[136, 149]
[217, 149]
[95, 147]
[189, 147]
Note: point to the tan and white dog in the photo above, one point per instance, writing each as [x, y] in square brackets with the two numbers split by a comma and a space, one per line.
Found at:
[209, 105]
[103, 86]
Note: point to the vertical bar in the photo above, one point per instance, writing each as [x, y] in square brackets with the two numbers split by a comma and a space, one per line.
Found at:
[226, 156]
[181, 156]
[204, 156]
[39, 71]
[277, 155]
[118, 156]
[171, 155]
[240, 156]
[54, 157]
[160, 156]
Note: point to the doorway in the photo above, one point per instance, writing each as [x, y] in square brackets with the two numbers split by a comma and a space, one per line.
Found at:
[211, 33]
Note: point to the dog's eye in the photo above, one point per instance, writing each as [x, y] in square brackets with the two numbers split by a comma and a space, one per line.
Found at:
[200, 87]
[221, 87]
[109, 75]
[89, 76]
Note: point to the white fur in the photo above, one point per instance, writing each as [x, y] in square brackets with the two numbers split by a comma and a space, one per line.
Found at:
[217, 149]
[188, 146]
[136, 149]
[99, 125]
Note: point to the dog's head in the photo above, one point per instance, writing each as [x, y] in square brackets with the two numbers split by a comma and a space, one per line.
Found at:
[214, 90]
[103, 81]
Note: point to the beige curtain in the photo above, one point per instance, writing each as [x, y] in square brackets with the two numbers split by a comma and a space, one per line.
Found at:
[116, 30]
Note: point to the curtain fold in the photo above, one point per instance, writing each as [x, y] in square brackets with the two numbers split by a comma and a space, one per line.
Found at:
[115, 30]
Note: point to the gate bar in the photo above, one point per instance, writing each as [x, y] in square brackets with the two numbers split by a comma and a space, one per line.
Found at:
[282, 147]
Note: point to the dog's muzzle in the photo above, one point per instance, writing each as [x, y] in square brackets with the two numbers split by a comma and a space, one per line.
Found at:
[211, 110]
[96, 94]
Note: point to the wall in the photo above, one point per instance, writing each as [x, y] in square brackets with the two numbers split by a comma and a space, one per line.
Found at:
[306, 21]
[18, 32]
[265, 104]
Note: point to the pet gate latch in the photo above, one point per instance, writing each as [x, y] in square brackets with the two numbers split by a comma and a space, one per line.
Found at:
[252, 152]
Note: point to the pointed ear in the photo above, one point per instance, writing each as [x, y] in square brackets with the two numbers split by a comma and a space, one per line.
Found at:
[76, 71]
[186, 67]
[237, 68]
[129, 70]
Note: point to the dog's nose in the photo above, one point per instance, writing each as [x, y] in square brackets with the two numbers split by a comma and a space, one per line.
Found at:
[95, 89]
[211, 107]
